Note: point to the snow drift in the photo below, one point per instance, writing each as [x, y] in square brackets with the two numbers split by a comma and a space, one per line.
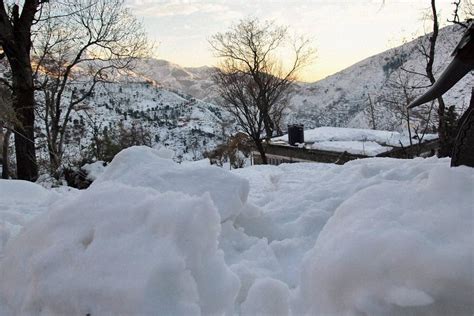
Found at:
[144, 167]
[403, 247]
[371, 237]
[19, 202]
[119, 250]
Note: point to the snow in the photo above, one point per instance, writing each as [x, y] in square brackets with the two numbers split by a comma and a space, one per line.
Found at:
[187, 126]
[354, 147]
[322, 134]
[375, 236]
[164, 152]
[411, 254]
[194, 81]
[94, 170]
[267, 297]
[120, 250]
[354, 140]
[146, 167]
[19, 202]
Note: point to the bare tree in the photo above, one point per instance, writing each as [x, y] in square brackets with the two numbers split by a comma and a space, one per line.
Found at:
[7, 121]
[426, 47]
[463, 11]
[402, 88]
[78, 45]
[15, 41]
[429, 54]
[404, 83]
[370, 112]
[253, 84]
[110, 140]
[427, 50]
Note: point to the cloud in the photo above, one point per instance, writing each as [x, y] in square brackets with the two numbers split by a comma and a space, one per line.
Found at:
[345, 31]
[171, 8]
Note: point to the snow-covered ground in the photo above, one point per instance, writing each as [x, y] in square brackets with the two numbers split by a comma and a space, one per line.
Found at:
[150, 236]
[354, 140]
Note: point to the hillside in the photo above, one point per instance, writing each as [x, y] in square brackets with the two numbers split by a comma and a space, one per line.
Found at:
[338, 100]
[186, 125]
[192, 81]
[177, 106]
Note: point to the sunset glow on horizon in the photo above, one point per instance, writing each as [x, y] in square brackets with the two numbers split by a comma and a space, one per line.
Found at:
[343, 31]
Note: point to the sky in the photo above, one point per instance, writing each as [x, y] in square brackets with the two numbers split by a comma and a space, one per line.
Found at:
[342, 31]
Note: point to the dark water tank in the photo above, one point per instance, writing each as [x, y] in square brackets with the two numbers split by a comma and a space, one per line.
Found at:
[295, 134]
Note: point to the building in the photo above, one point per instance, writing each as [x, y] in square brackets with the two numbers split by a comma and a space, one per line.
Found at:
[339, 145]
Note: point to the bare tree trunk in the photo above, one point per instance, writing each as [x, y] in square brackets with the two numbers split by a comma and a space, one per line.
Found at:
[372, 113]
[5, 160]
[261, 150]
[269, 126]
[15, 39]
[23, 104]
[463, 150]
[407, 114]
[54, 161]
[443, 141]
[409, 127]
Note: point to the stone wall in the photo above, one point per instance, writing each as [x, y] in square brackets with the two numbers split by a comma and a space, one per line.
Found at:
[286, 154]
[278, 154]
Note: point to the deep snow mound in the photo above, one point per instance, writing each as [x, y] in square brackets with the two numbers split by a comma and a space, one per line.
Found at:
[145, 167]
[371, 237]
[19, 202]
[119, 250]
[402, 247]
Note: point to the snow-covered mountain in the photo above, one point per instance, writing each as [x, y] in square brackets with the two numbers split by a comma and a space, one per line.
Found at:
[340, 99]
[192, 81]
[177, 107]
[188, 126]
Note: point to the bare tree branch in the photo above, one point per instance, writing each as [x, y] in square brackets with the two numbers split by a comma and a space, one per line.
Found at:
[252, 82]
[88, 39]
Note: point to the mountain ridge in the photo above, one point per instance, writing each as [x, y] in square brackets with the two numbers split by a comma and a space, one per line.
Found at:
[177, 105]
[338, 99]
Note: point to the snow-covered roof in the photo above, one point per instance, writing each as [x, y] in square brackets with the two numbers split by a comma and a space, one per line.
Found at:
[353, 140]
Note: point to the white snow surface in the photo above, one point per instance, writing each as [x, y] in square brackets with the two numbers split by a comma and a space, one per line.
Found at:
[397, 248]
[142, 166]
[354, 147]
[354, 140]
[372, 237]
[94, 170]
[20, 201]
[322, 134]
[155, 252]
